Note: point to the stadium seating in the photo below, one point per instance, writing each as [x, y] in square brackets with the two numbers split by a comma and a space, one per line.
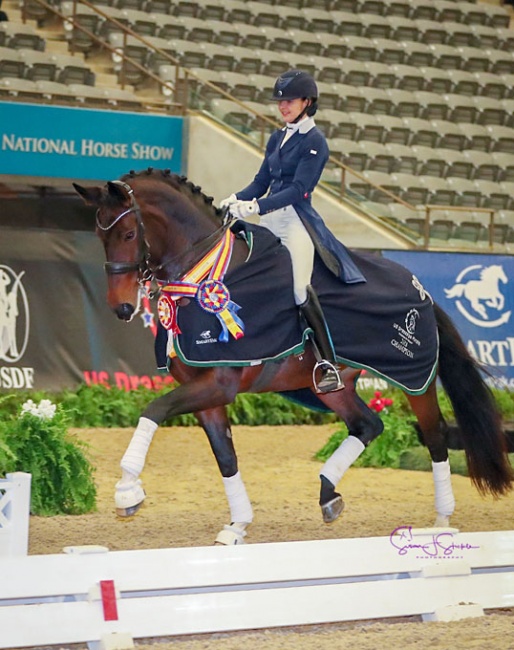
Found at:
[433, 106]
[19, 35]
[12, 63]
[349, 152]
[458, 165]
[485, 167]
[505, 163]
[431, 162]
[442, 229]
[41, 66]
[421, 91]
[374, 26]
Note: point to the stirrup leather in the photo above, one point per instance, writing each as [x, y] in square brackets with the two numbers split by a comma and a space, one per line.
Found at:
[331, 386]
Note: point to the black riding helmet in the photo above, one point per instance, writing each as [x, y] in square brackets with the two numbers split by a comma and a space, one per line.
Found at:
[296, 84]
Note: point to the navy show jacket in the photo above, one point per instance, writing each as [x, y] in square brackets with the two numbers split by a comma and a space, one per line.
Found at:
[289, 176]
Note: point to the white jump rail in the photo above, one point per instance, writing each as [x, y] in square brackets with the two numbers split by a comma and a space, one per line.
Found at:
[107, 599]
[14, 514]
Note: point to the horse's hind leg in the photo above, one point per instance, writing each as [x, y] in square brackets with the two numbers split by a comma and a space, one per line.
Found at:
[434, 431]
[363, 426]
[216, 425]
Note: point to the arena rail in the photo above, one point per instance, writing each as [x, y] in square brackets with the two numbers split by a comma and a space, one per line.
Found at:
[14, 514]
[108, 598]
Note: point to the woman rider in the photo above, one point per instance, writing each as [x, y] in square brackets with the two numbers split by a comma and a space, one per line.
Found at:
[281, 194]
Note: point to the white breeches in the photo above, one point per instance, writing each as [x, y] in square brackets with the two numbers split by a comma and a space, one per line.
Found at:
[288, 227]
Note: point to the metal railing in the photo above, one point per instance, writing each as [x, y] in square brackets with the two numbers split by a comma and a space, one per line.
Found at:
[429, 209]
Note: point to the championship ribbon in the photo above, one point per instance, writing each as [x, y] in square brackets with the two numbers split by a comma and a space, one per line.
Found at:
[205, 283]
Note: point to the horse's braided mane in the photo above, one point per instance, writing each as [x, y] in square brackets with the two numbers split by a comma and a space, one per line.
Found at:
[180, 183]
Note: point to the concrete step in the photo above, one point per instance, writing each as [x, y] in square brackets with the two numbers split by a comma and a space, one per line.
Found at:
[13, 11]
[11, 7]
[102, 81]
[61, 47]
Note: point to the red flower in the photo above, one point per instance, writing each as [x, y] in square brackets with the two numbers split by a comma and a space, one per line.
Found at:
[379, 403]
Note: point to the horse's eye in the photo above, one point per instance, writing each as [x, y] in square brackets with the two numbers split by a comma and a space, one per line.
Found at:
[130, 235]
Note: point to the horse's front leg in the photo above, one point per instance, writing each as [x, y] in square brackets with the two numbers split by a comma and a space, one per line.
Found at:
[216, 425]
[211, 388]
[433, 429]
[129, 494]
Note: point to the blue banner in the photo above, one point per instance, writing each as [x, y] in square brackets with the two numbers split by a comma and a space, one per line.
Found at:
[64, 142]
[477, 292]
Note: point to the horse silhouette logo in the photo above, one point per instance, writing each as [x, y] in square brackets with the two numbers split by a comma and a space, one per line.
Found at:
[14, 326]
[410, 321]
[482, 295]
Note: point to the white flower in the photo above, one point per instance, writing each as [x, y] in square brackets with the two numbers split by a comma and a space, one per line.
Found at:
[29, 407]
[45, 410]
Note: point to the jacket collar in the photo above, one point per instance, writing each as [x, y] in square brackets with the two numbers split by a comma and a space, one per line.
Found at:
[303, 126]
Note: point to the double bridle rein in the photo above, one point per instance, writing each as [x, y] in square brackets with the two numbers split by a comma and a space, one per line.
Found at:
[145, 272]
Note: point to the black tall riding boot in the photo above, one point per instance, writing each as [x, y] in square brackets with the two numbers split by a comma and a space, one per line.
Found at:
[327, 365]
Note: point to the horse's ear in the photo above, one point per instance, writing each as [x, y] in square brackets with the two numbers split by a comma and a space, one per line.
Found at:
[91, 195]
[118, 190]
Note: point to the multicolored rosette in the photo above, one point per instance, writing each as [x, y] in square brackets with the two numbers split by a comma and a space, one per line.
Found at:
[214, 297]
[210, 292]
[167, 312]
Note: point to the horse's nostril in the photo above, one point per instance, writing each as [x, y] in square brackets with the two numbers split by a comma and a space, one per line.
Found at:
[124, 311]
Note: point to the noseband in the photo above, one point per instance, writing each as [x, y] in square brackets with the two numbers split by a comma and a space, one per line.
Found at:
[141, 265]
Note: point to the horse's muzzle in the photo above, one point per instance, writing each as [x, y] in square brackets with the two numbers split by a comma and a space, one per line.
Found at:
[125, 311]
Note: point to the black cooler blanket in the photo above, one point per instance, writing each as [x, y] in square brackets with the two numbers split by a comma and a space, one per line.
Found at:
[385, 325]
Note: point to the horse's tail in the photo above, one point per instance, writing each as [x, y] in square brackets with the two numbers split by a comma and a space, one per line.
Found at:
[456, 291]
[476, 412]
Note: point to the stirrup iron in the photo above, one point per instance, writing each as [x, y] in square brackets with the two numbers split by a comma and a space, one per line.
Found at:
[327, 384]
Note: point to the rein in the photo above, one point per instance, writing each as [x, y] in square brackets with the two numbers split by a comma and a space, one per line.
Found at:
[201, 248]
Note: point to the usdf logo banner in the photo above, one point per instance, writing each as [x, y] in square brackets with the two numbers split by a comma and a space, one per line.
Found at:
[477, 292]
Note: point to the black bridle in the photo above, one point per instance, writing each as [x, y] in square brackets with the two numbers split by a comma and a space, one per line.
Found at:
[142, 265]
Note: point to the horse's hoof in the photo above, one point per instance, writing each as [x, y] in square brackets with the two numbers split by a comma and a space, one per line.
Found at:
[128, 498]
[128, 512]
[442, 521]
[231, 535]
[332, 509]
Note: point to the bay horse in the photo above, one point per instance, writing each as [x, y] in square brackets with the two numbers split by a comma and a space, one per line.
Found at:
[157, 226]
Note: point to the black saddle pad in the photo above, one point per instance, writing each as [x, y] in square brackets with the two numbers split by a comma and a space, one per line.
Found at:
[263, 288]
[385, 325]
